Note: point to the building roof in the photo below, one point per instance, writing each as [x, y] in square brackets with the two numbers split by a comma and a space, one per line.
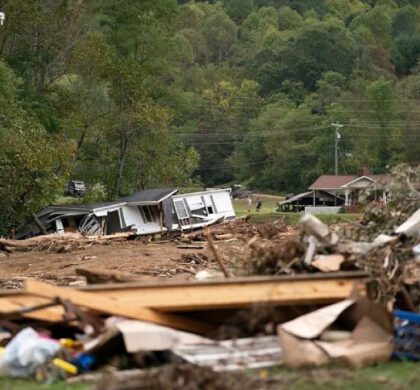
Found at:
[206, 192]
[309, 194]
[145, 196]
[150, 196]
[328, 182]
[85, 206]
[296, 197]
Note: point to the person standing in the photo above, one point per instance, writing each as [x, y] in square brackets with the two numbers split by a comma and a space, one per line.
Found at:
[259, 204]
[249, 203]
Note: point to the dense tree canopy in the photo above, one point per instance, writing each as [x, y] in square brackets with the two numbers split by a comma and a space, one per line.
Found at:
[129, 94]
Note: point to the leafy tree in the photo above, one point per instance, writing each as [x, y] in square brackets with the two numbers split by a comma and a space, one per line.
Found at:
[306, 57]
[220, 33]
[406, 20]
[238, 10]
[289, 19]
[382, 125]
[404, 53]
[33, 164]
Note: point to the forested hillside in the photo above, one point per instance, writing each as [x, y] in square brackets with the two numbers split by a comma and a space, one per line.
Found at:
[130, 94]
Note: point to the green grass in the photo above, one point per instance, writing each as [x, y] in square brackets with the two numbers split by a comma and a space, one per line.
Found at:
[268, 213]
[19, 384]
[390, 376]
[269, 206]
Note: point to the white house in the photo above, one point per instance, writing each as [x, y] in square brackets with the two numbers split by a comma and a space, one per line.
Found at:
[145, 212]
[199, 209]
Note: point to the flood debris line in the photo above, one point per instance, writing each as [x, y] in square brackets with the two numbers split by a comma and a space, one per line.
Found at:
[60, 242]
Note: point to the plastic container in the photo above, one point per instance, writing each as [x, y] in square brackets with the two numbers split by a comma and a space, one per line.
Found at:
[406, 335]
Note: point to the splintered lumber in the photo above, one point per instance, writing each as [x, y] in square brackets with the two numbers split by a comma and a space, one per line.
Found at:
[107, 305]
[18, 302]
[215, 252]
[236, 292]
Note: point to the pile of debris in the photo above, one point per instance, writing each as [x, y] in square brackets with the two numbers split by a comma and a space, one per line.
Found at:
[61, 243]
[242, 229]
[53, 333]
[386, 244]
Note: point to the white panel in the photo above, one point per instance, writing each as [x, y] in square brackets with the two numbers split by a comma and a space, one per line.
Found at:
[59, 226]
[132, 216]
[194, 202]
[223, 202]
[323, 209]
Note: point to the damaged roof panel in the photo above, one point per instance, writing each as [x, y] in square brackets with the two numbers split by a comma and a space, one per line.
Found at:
[150, 196]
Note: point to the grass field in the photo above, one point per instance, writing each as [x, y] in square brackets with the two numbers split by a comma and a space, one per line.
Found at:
[17, 384]
[268, 212]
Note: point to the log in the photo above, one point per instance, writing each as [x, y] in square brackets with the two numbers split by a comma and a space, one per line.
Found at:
[98, 276]
[226, 236]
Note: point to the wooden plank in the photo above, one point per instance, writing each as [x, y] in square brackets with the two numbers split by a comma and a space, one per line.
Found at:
[18, 302]
[101, 303]
[356, 275]
[215, 296]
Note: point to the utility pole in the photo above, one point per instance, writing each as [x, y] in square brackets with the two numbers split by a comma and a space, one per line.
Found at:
[337, 137]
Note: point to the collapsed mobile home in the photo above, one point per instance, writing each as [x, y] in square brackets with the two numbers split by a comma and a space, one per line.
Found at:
[144, 212]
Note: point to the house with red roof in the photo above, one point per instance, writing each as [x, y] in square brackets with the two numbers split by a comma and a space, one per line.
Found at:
[331, 192]
[350, 186]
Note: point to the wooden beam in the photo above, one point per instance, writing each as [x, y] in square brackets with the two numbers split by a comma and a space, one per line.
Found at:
[14, 303]
[101, 303]
[233, 293]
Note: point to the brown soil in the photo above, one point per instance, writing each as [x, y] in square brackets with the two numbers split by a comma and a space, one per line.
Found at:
[149, 261]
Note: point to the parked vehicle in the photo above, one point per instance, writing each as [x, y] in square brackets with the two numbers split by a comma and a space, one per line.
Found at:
[75, 188]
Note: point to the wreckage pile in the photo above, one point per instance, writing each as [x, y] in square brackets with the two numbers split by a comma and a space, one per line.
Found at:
[241, 229]
[385, 244]
[60, 243]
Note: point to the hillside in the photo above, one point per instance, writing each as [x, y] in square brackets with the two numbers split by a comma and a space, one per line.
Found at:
[131, 94]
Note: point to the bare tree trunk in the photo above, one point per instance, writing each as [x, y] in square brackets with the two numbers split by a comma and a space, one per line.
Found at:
[123, 152]
[82, 138]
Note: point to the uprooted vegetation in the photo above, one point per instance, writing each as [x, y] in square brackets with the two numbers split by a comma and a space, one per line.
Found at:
[268, 257]
[242, 229]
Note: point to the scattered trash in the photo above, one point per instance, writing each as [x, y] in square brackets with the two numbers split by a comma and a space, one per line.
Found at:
[328, 263]
[370, 340]
[406, 336]
[26, 353]
[231, 355]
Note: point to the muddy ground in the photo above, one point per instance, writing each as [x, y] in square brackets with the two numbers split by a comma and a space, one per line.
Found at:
[144, 261]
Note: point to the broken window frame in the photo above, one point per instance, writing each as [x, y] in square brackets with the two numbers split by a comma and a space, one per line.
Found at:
[148, 214]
